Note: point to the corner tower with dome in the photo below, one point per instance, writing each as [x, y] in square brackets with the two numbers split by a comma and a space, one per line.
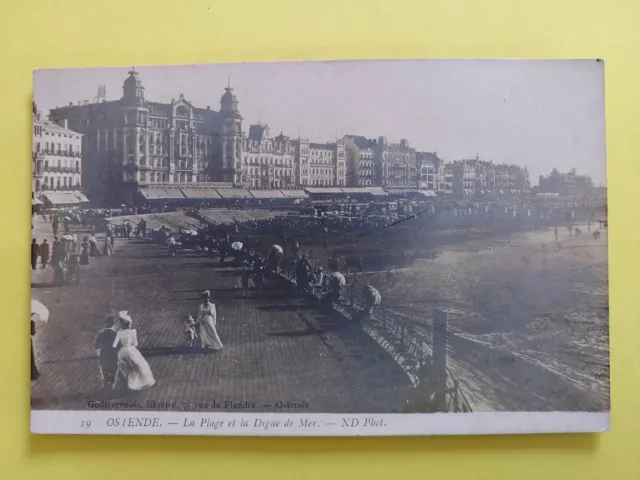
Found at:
[136, 148]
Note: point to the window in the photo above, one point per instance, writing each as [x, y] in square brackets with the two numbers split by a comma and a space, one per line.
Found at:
[175, 177]
[64, 183]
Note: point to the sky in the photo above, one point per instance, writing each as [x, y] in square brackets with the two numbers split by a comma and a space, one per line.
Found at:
[544, 114]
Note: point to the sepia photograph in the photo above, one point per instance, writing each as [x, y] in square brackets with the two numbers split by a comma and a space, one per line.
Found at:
[384, 247]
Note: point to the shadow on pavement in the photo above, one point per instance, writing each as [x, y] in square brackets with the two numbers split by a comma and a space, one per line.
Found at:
[166, 351]
[288, 308]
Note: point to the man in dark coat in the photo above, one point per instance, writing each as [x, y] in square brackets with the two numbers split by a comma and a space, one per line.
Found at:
[107, 354]
[44, 253]
[35, 252]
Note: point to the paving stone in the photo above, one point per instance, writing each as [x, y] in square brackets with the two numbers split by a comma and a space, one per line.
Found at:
[277, 346]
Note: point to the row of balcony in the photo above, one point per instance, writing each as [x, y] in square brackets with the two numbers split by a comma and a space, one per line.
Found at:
[46, 169]
[62, 153]
[47, 188]
[165, 168]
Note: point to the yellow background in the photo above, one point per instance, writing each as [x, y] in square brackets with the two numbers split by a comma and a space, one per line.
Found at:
[82, 33]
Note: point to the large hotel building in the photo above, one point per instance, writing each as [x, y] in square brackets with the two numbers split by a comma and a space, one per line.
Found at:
[133, 143]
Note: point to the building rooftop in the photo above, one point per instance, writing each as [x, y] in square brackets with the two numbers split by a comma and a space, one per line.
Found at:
[322, 145]
[362, 142]
[54, 127]
[258, 132]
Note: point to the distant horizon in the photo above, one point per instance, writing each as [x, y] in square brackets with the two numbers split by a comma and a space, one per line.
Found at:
[542, 114]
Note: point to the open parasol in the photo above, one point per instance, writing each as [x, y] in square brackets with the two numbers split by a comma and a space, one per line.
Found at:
[39, 313]
[277, 248]
[372, 294]
[339, 278]
[236, 245]
[69, 238]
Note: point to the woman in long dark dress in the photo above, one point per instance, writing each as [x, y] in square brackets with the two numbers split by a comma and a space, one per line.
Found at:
[34, 369]
[84, 252]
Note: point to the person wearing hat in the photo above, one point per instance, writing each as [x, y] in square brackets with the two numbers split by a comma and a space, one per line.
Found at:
[209, 338]
[134, 373]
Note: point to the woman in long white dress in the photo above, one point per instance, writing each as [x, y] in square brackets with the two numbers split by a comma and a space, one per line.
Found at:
[207, 321]
[133, 370]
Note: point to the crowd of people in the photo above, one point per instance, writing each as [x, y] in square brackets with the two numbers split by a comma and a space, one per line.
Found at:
[67, 252]
[264, 251]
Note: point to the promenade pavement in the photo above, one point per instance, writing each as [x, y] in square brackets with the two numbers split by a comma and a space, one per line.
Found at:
[278, 346]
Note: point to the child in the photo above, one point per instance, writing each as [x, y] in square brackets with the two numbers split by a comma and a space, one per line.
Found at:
[190, 330]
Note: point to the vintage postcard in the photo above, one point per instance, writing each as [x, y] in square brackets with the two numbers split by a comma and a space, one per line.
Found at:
[402, 247]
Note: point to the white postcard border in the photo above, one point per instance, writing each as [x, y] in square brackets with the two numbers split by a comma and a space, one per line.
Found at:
[313, 424]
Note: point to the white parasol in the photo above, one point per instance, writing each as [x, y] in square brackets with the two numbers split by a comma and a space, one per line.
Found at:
[39, 313]
[373, 294]
[278, 248]
[236, 245]
[339, 277]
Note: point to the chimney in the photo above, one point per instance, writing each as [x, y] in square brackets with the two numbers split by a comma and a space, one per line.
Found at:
[208, 107]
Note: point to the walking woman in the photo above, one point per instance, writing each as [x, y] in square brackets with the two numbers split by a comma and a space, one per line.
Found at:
[209, 338]
[133, 373]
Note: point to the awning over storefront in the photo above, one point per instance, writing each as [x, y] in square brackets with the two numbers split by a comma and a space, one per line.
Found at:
[400, 191]
[267, 194]
[82, 198]
[294, 194]
[500, 192]
[61, 198]
[323, 190]
[231, 193]
[200, 193]
[162, 193]
[377, 191]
